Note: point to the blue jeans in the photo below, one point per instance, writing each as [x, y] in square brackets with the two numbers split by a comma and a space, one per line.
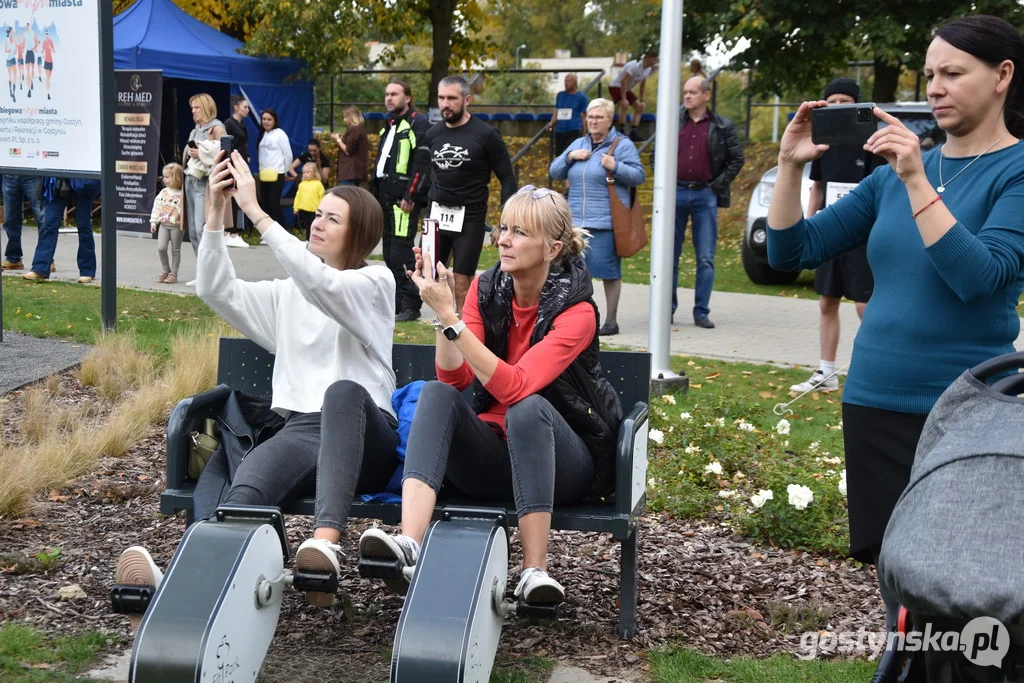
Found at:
[702, 207]
[48, 231]
[18, 188]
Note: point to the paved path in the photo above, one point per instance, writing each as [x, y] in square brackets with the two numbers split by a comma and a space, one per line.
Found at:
[750, 327]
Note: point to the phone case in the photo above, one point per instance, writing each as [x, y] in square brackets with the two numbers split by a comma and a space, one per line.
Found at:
[430, 242]
[843, 124]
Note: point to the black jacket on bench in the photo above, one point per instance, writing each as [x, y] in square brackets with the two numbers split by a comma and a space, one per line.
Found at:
[243, 423]
[582, 394]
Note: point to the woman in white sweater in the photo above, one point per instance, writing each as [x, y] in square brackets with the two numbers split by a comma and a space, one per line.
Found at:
[330, 326]
[275, 159]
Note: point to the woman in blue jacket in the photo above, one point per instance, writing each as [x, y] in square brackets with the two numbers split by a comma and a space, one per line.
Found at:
[588, 163]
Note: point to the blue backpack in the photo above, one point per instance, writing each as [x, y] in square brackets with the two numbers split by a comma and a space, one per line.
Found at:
[404, 403]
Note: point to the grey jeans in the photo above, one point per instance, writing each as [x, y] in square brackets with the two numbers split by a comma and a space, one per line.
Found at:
[281, 468]
[195, 200]
[542, 462]
[169, 235]
[357, 451]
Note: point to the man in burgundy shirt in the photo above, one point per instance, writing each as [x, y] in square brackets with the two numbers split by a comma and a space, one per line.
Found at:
[709, 158]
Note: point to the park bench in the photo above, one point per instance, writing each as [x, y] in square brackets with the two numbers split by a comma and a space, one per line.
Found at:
[245, 366]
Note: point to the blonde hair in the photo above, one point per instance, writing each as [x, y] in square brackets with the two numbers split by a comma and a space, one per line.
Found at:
[206, 103]
[548, 215]
[607, 105]
[352, 116]
[177, 175]
[310, 166]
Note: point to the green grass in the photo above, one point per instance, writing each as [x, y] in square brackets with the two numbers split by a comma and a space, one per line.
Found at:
[688, 666]
[71, 311]
[27, 656]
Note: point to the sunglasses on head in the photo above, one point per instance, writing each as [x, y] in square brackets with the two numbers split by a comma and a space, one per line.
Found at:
[540, 193]
[536, 192]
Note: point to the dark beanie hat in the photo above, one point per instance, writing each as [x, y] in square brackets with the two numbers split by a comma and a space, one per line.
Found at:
[843, 86]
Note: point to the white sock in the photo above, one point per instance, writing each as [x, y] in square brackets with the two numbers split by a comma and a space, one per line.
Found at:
[827, 367]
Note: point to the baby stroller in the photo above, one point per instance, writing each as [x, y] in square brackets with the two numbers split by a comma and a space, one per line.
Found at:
[953, 552]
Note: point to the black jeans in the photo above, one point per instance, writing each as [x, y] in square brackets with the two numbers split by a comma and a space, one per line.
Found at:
[542, 463]
[400, 230]
[357, 452]
[270, 199]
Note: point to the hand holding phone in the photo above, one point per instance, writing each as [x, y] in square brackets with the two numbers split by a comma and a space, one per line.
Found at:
[843, 124]
[227, 145]
[430, 243]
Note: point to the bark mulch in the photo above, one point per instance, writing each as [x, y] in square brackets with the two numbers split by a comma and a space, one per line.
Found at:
[700, 586]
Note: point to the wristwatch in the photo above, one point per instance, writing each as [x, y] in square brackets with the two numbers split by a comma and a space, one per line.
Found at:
[452, 332]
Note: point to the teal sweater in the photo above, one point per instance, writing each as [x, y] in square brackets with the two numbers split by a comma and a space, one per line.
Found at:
[935, 311]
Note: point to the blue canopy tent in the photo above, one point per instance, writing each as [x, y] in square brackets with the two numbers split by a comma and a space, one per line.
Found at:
[194, 57]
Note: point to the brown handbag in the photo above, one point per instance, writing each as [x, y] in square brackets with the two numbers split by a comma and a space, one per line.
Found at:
[627, 221]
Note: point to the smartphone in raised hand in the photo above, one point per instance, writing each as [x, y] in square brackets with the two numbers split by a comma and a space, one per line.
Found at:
[430, 243]
[227, 145]
[843, 124]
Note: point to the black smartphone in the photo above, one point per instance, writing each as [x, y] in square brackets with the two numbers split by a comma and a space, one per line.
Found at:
[227, 145]
[192, 144]
[430, 242]
[843, 124]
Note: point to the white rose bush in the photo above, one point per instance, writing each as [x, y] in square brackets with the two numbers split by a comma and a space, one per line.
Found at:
[775, 480]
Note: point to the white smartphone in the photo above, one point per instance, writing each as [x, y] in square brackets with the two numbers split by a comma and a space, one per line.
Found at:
[430, 242]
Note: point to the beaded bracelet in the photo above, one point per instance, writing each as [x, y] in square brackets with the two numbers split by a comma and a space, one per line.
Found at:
[938, 198]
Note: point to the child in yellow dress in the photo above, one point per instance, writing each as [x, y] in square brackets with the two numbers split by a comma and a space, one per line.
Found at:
[307, 197]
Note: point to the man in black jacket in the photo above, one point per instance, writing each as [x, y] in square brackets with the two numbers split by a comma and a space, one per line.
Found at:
[401, 191]
[709, 158]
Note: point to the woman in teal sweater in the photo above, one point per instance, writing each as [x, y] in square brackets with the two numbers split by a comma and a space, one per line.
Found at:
[945, 240]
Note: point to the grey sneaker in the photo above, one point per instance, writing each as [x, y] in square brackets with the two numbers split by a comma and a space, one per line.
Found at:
[817, 382]
[535, 586]
[375, 544]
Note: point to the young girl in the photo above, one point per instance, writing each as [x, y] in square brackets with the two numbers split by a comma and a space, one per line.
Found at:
[307, 197]
[166, 217]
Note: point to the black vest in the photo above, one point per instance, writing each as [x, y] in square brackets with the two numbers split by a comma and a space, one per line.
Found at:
[581, 394]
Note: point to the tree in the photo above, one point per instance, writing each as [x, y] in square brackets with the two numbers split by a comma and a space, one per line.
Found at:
[794, 45]
[329, 35]
[211, 12]
[799, 45]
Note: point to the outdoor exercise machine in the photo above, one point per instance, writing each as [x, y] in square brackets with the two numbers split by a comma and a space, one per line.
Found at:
[213, 616]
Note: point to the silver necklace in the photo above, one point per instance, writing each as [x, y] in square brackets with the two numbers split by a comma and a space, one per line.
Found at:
[942, 186]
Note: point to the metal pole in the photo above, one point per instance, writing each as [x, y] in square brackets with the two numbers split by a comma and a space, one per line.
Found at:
[664, 210]
[775, 120]
[332, 104]
[108, 178]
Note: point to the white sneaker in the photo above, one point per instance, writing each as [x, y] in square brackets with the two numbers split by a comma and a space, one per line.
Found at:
[235, 240]
[318, 555]
[376, 544]
[535, 586]
[190, 283]
[136, 567]
[817, 382]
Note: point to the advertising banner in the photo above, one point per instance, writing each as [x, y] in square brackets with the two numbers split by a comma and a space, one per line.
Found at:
[137, 159]
[50, 97]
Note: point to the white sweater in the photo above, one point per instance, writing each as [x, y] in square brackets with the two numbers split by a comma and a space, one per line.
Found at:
[275, 150]
[322, 324]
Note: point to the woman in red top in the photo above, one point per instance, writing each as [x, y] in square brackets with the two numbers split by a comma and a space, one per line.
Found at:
[544, 418]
